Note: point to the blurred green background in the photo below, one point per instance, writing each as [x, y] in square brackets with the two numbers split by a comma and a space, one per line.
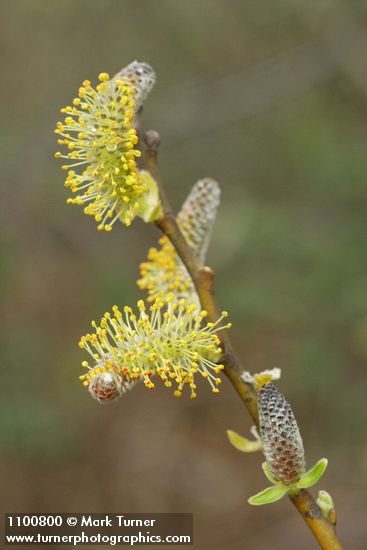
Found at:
[270, 100]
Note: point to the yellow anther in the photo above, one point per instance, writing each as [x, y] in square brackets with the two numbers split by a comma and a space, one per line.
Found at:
[141, 305]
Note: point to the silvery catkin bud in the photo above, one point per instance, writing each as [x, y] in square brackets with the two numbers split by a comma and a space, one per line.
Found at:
[141, 77]
[106, 384]
[197, 216]
[282, 441]
[164, 272]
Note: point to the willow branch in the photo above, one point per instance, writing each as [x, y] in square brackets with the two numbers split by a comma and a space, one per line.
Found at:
[203, 279]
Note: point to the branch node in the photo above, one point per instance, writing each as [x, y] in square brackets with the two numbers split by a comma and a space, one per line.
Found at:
[152, 140]
[208, 271]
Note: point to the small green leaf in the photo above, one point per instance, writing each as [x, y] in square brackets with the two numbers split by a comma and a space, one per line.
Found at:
[242, 443]
[325, 502]
[312, 476]
[149, 203]
[266, 469]
[269, 495]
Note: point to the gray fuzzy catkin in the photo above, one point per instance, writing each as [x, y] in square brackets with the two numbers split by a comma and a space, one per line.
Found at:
[141, 77]
[282, 441]
[197, 216]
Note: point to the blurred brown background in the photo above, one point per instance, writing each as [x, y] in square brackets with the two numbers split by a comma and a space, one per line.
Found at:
[271, 100]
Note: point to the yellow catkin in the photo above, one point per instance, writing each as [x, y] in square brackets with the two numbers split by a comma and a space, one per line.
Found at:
[100, 146]
[170, 341]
